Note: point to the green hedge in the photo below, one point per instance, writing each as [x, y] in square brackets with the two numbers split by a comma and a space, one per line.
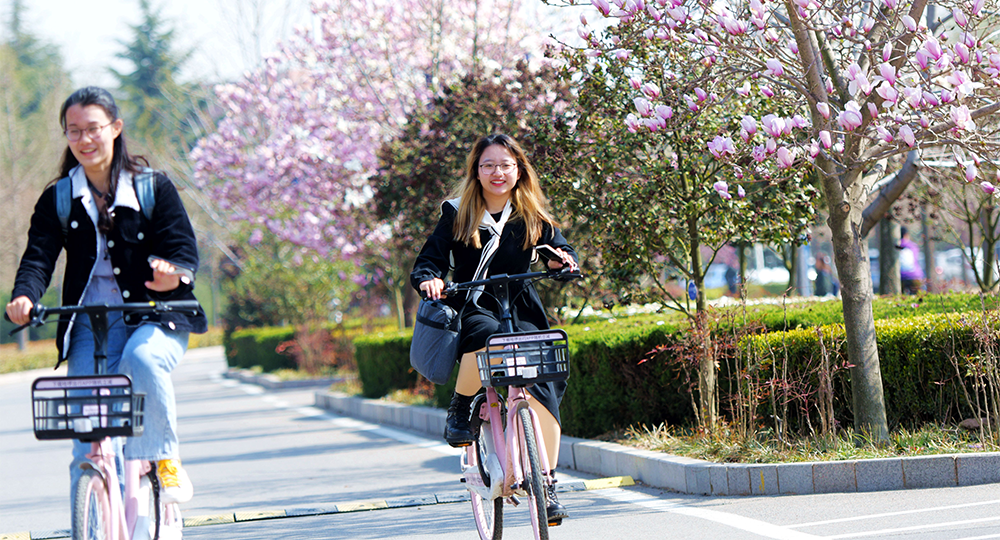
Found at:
[917, 356]
[258, 347]
[384, 362]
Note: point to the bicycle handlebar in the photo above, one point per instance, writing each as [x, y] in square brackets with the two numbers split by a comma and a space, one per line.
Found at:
[40, 313]
[452, 288]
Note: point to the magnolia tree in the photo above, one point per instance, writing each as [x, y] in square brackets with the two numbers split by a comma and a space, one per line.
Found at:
[298, 144]
[653, 181]
[837, 87]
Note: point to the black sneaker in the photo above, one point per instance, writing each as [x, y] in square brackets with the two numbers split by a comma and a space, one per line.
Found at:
[553, 510]
[457, 431]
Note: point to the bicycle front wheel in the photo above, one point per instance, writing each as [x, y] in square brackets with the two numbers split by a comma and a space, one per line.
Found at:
[533, 475]
[91, 508]
[488, 514]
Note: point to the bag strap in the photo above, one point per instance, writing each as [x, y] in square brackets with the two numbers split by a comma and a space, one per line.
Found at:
[145, 192]
[64, 200]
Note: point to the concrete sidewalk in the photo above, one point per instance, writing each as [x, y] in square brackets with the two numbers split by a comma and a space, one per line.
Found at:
[686, 475]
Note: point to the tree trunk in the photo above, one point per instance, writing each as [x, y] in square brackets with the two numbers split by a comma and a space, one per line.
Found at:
[930, 265]
[802, 271]
[888, 258]
[850, 252]
[707, 385]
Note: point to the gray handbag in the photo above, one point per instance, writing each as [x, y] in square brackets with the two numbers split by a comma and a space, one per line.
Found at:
[434, 348]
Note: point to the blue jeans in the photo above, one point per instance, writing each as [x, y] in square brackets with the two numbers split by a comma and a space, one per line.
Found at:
[147, 354]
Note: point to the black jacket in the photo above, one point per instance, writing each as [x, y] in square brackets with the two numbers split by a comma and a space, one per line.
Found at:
[168, 235]
[510, 258]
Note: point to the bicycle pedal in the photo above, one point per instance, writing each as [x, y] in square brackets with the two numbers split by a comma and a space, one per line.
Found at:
[555, 522]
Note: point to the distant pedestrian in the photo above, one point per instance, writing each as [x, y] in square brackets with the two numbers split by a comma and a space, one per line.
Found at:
[824, 285]
[911, 275]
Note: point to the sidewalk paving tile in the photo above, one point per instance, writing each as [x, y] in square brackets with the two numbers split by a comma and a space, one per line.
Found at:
[879, 474]
[834, 477]
[795, 479]
[929, 471]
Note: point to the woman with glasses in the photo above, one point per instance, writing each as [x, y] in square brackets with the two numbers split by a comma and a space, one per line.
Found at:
[498, 216]
[116, 254]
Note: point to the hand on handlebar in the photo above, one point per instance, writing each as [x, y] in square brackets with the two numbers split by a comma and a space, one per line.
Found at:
[19, 310]
[432, 288]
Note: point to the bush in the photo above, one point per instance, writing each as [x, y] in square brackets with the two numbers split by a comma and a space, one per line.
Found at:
[384, 362]
[922, 360]
[258, 347]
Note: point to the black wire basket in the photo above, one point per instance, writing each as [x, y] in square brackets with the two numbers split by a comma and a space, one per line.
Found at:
[86, 408]
[524, 358]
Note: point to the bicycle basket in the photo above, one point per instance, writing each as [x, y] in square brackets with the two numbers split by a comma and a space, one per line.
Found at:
[524, 358]
[86, 408]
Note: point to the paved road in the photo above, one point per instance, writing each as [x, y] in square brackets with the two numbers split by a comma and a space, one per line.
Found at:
[253, 453]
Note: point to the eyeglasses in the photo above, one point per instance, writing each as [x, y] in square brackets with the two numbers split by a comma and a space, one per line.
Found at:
[506, 168]
[74, 134]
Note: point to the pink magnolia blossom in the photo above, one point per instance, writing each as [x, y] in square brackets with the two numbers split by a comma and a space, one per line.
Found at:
[909, 23]
[740, 192]
[824, 109]
[814, 149]
[774, 67]
[759, 153]
[664, 112]
[888, 72]
[960, 18]
[906, 134]
[700, 94]
[720, 146]
[621, 54]
[744, 90]
[773, 125]
[766, 90]
[962, 118]
[887, 92]
[826, 139]
[635, 83]
[933, 47]
[884, 134]
[643, 106]
[691, 103]
[602, 6]
[977, 6]
[749, 125]
[913, 96]
[632, 122]
[872, 110]
[651, 90]
[785, 158]
[962, 52]
[970, 172]
[722, 189]
[988, 188]
[851, 117]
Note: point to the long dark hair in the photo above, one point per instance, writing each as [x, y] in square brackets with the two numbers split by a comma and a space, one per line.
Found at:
[121, 160]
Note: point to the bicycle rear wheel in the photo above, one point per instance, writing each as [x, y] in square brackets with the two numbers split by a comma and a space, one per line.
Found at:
[488, 514]
[533, 477]
[91, 508]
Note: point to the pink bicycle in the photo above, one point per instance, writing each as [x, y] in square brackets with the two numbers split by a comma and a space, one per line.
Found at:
[507, 459]
[95, 409]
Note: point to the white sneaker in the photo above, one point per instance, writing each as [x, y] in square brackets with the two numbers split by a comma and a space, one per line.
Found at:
[175, 486]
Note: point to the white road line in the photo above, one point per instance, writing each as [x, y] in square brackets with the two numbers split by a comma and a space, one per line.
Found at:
[987, 537]
[754, 526]
[923, 527]
[890, 514]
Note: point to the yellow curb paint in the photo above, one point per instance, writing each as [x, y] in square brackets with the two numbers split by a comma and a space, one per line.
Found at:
[360, 506]
[254, 516]
[606, 483]
[16, 536]
[198, 521]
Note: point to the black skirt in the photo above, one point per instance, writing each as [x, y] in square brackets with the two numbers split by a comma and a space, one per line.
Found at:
[478, 326]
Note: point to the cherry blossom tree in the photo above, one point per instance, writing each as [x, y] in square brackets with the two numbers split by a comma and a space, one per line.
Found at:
[298, 143]
[838, 87]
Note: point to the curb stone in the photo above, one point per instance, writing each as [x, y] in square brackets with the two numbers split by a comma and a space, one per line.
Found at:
[271, 382]
[687, 475]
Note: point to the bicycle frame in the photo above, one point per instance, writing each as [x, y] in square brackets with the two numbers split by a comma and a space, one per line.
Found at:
[126, 515]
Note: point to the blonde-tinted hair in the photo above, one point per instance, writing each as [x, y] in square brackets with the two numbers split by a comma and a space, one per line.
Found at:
[528, 202]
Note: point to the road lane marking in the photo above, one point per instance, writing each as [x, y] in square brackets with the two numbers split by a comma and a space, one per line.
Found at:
[921, 527]
[891, 514]
[767, 530]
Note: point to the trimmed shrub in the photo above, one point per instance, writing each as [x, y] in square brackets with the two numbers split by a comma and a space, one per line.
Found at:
[258, 347]
[384, 362]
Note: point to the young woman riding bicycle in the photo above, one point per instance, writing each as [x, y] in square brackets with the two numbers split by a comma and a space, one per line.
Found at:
[115, 254]
[499, 214]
